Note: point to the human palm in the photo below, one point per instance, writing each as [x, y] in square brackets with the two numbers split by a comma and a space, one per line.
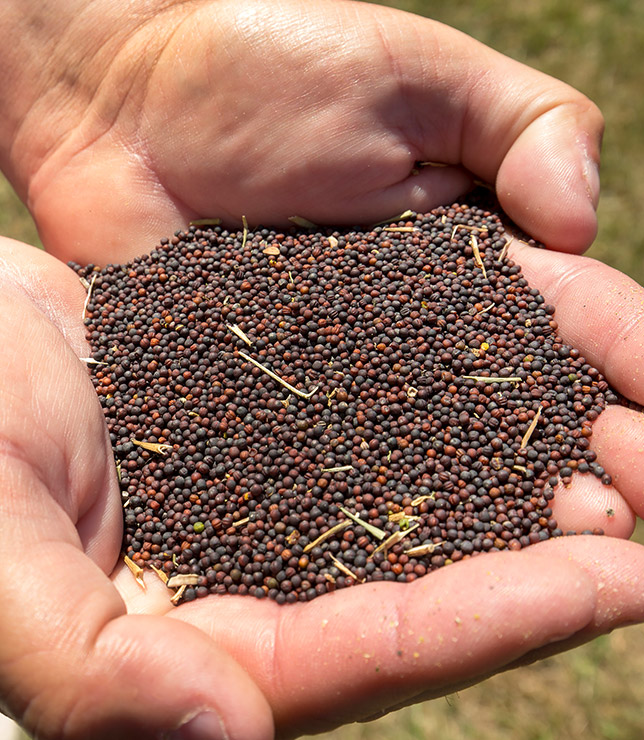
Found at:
[271, 110]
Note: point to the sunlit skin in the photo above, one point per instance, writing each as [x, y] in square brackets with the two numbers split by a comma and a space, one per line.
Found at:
[136, 123]
[274, 109]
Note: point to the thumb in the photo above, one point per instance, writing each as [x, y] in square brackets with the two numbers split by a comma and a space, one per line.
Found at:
[73, 664]
[536, 139]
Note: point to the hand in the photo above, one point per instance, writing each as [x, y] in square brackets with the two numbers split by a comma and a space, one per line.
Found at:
[86, 653]
[104, 163]
[119, 127]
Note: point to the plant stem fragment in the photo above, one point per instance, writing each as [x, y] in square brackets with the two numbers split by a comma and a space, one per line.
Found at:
[234, 329]
[531, 428]
[136, 571]
[205, 222]
[89, 295]
[394, 539]
[329, 533]
[493, 379]
[375, 531]
[347, 572]
[161, 449]
[303, 222]
[271, 374]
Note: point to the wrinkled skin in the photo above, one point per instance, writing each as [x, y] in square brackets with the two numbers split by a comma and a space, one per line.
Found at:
[274, 109]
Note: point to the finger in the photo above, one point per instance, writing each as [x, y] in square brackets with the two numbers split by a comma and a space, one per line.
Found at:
[535, 138]
[587, 504]
[618, 439]
[72, 663]
[611, 337]
[615, 568]
[51, 418]
[548, 181]
[49, 285]
[599, 311]
[375, 646]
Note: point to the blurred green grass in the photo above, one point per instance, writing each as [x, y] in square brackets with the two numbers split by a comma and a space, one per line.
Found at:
[15, 220]
[594, 692]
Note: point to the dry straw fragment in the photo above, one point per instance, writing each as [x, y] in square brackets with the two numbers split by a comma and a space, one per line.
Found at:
[177, 597]
[484, 310]
[205, 222]
[429, 163]
[492, 379]
[329, 533]
[271, 374]
[504, 251]
[136, 571]
[421, 550]
[400, 516]
[293, 537]
[375, 531]
[162, 575]
[91, 361]
[419, 499]
[531, 428]
[244, 232]
[89, 295]
[394, 539]
[477, 254]
[160, 449]
[183, 579]
[303, 222]
[234, 329]
[400, 217]
[482, 229]
[342, 567]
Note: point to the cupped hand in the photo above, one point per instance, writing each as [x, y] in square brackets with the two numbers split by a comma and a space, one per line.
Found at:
[86, 653]
[135, 123]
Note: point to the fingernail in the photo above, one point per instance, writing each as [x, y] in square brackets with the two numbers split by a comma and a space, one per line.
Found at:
[591, 176]
[204, 726]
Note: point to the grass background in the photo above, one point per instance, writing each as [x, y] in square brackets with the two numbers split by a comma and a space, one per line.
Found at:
[595, 691]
